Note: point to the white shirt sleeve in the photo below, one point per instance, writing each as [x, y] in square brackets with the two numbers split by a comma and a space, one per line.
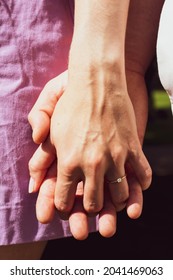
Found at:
[165, 48]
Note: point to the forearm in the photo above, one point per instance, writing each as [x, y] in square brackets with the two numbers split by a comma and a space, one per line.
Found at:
[138, 94]
[99, 34]
[141, 36]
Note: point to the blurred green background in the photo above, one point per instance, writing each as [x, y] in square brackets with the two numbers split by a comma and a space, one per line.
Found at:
[160, 123]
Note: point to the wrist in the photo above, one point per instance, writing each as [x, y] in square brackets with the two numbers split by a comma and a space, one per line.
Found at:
[97, 51]
[88, 61]
[97, 76]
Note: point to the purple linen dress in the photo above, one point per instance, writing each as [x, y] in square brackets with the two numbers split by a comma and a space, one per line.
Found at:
[34, 43]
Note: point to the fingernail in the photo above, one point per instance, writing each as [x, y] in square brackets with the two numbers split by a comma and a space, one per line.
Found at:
[31, 185]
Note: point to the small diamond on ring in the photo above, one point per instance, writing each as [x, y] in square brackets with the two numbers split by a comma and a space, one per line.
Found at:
[119, 180]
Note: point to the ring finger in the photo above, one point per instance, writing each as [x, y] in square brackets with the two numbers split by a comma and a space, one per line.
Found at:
[118, 186]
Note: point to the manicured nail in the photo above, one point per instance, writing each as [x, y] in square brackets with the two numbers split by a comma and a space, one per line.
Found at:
[31, 185]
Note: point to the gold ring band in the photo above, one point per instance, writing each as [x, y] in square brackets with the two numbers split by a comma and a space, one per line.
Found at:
[119, 180]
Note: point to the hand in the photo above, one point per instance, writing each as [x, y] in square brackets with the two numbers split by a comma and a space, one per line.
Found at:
[39, 118]
[93, 141]
[34, 163]
[78, 219]
[104, 83]
[45, 204]
[97, 87]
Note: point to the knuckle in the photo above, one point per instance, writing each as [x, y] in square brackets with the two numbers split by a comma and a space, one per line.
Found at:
[133, 153]
[50, 88]
[148, 177]
[95, 163]
[33, 166]
[121, 198]
[120, 207]
[62, 206]
[135, 149]
[118, 153]
[68, 165]
[92, 207]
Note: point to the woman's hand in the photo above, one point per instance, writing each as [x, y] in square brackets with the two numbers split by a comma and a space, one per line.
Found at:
[99, 90]
[93, 130]
[45, 174]
[46, 153]
[78, 219]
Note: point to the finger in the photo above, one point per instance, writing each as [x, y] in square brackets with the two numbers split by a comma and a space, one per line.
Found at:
[141, 169]
[39, 116]
[78, 219]
[135, 201]
[107, 217]
[118, 186]
[45, 208]
[93, 193]
[40, 122]
[65, 190]
[94, 171]
[39, 163]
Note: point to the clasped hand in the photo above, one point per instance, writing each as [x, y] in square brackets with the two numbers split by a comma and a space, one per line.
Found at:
[92, 140]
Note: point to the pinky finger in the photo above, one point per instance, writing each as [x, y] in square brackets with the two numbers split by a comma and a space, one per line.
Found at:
[142, 170]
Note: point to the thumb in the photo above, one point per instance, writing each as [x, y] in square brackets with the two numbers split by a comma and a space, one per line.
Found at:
[40, 114]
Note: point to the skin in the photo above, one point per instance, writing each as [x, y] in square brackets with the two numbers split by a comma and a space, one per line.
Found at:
[96, 144]
[141, 37]
[136, 66]
[140, 47]
[45, 204]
